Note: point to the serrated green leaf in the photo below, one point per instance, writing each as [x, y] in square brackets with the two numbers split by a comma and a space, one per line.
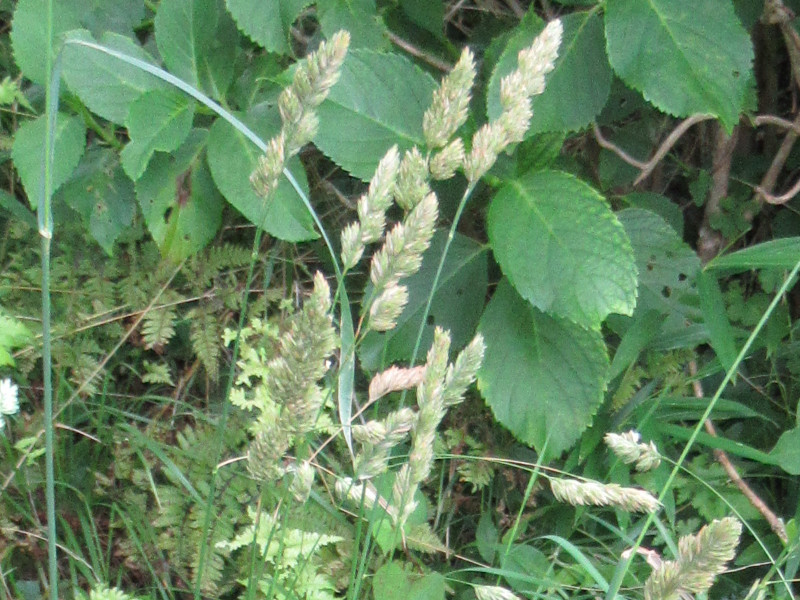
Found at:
[106, 84]
[456, 305]
[180, 204]
[101, 193]
[393, 582]
[16, 209]
[781, 254]
[112, 15]
[542, 377]
[667, 267]
[359, 17]
[232, 158]
[562, 248]
[13, 334]
[28, 152]
[268, 24]
[579, 85]
[379, 101]
[195, 40]
[786, 452]
[157, 120]
[29, 34]
[684, 56]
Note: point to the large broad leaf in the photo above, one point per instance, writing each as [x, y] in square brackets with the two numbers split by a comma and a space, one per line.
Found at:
[180, 204]
[667, 267]
[104, 197]
[267, 23]
[29, 34]
[543, 377]
[684, 56]
[232, 158]
[158, 120]
[197, 40]
[578, 87]
[562, 248]
[456, 305]
[379, 101]
[359, 17]
[104, 83]
[28, 152]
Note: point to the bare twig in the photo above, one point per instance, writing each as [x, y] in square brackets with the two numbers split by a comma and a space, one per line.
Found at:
[764, 191]
[407, 46]
[722, 458]
[777, 121]
[647, 168]
[710, 240]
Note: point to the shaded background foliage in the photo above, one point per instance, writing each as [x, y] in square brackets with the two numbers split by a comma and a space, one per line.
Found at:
[619, 254]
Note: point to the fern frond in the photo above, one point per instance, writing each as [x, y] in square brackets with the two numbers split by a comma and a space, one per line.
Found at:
[158, 325]
[205, 333]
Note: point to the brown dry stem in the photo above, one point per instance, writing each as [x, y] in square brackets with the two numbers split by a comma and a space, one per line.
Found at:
[775, 523]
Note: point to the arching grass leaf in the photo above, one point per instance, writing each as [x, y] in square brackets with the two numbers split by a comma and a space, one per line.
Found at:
[104, 83]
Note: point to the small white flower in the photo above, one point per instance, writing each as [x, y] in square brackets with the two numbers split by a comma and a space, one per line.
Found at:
[9, 402]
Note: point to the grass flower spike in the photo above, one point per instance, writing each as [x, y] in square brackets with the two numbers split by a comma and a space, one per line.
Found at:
[700, 559]
[493, 592]
[312, 81]
[516, 89]
[582, 493]
[448, 111]
[627, 447]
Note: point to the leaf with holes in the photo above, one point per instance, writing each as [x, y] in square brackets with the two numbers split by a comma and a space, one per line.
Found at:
[543, 377]
[379, 101]
[181, 206]
[562, 248]
[579, 85]
[100, 192]
[28, 152]
[684, 56]
[667, 267]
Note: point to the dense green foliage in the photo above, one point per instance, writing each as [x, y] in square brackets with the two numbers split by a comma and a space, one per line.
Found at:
[282, 255]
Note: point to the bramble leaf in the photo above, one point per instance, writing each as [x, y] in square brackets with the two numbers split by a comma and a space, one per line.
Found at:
[684, 56]
[579, 85]
[268, 24]
[232, 157]
[157, 120]
[104, 83]
[543, 377]
[562, 248]
[379, 101]
[28, 152]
